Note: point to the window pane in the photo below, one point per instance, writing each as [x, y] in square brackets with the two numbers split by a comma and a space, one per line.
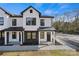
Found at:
[28, 21]
[2, 34]
[28, 35]
[31, 11]
[42, 35]
[34, 35]
[13, 22]
[1, 21]
[34, 21]
[14, 35]
[42, 22]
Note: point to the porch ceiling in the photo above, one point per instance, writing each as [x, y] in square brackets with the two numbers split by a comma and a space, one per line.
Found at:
[14, 29]
[46, 29]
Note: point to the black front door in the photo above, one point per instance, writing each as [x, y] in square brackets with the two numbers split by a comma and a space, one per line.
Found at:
[48, 36]
[31, 38]
[1, 38]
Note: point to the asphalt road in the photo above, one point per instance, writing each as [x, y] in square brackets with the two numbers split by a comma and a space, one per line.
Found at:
[69, 40]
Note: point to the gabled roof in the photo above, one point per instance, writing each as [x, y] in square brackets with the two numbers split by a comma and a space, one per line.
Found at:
[28, 8]
[5, 11]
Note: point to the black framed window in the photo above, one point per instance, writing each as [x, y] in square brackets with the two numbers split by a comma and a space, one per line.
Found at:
[30, 21]
[13, 35]
[31, 35]
[42, 35]
[31, 11]
[1, 20]
[42, 23]
[28, 35]
[34, 21]
[13, 22]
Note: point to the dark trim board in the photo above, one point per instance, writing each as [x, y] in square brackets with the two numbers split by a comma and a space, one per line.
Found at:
[30, 41]
[14, 29]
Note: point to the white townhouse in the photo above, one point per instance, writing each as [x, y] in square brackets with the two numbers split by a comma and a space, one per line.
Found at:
[29, 28]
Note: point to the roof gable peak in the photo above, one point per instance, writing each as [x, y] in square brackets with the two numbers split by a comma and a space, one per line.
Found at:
[28, 8]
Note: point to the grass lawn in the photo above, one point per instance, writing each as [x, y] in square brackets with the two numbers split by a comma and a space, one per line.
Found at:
[41, 53]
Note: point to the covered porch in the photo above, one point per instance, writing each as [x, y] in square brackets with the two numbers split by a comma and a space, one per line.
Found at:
[13, 35]
[46, 35]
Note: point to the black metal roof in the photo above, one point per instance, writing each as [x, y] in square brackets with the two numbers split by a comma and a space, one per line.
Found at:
[14, 29]
[5, 11]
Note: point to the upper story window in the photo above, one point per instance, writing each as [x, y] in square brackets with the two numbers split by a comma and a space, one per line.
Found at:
[13, 22]
[1, 20]
[31, 11]
[42, 23]
[30, 21]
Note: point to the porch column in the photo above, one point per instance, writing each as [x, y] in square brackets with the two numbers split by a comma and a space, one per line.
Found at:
[21, 39]
[45, 36]
[39, 37]
[53, 37]
[5, 38]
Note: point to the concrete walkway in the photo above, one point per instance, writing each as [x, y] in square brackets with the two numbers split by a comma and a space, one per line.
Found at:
[35, 47]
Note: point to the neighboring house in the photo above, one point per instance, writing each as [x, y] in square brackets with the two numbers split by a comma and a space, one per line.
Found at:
[29, 28]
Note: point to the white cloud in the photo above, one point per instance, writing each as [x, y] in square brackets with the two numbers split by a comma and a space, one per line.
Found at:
[62, 7]
[48, 12]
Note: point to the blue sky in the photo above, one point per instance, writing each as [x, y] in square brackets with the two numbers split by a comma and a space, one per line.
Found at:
[44, 8]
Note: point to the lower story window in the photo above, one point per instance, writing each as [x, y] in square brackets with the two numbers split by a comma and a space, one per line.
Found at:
[29, 35]
[41, 35]
[34, 35]
[14, 35]
[1, 34]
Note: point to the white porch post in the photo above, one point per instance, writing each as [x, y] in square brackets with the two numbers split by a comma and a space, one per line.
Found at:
[21, 38]
[53, 36]
[39, 36]
[5, 38]
[45, 36]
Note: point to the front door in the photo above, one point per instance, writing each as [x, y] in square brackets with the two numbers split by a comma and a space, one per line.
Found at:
[14, 37]
[48, 36]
